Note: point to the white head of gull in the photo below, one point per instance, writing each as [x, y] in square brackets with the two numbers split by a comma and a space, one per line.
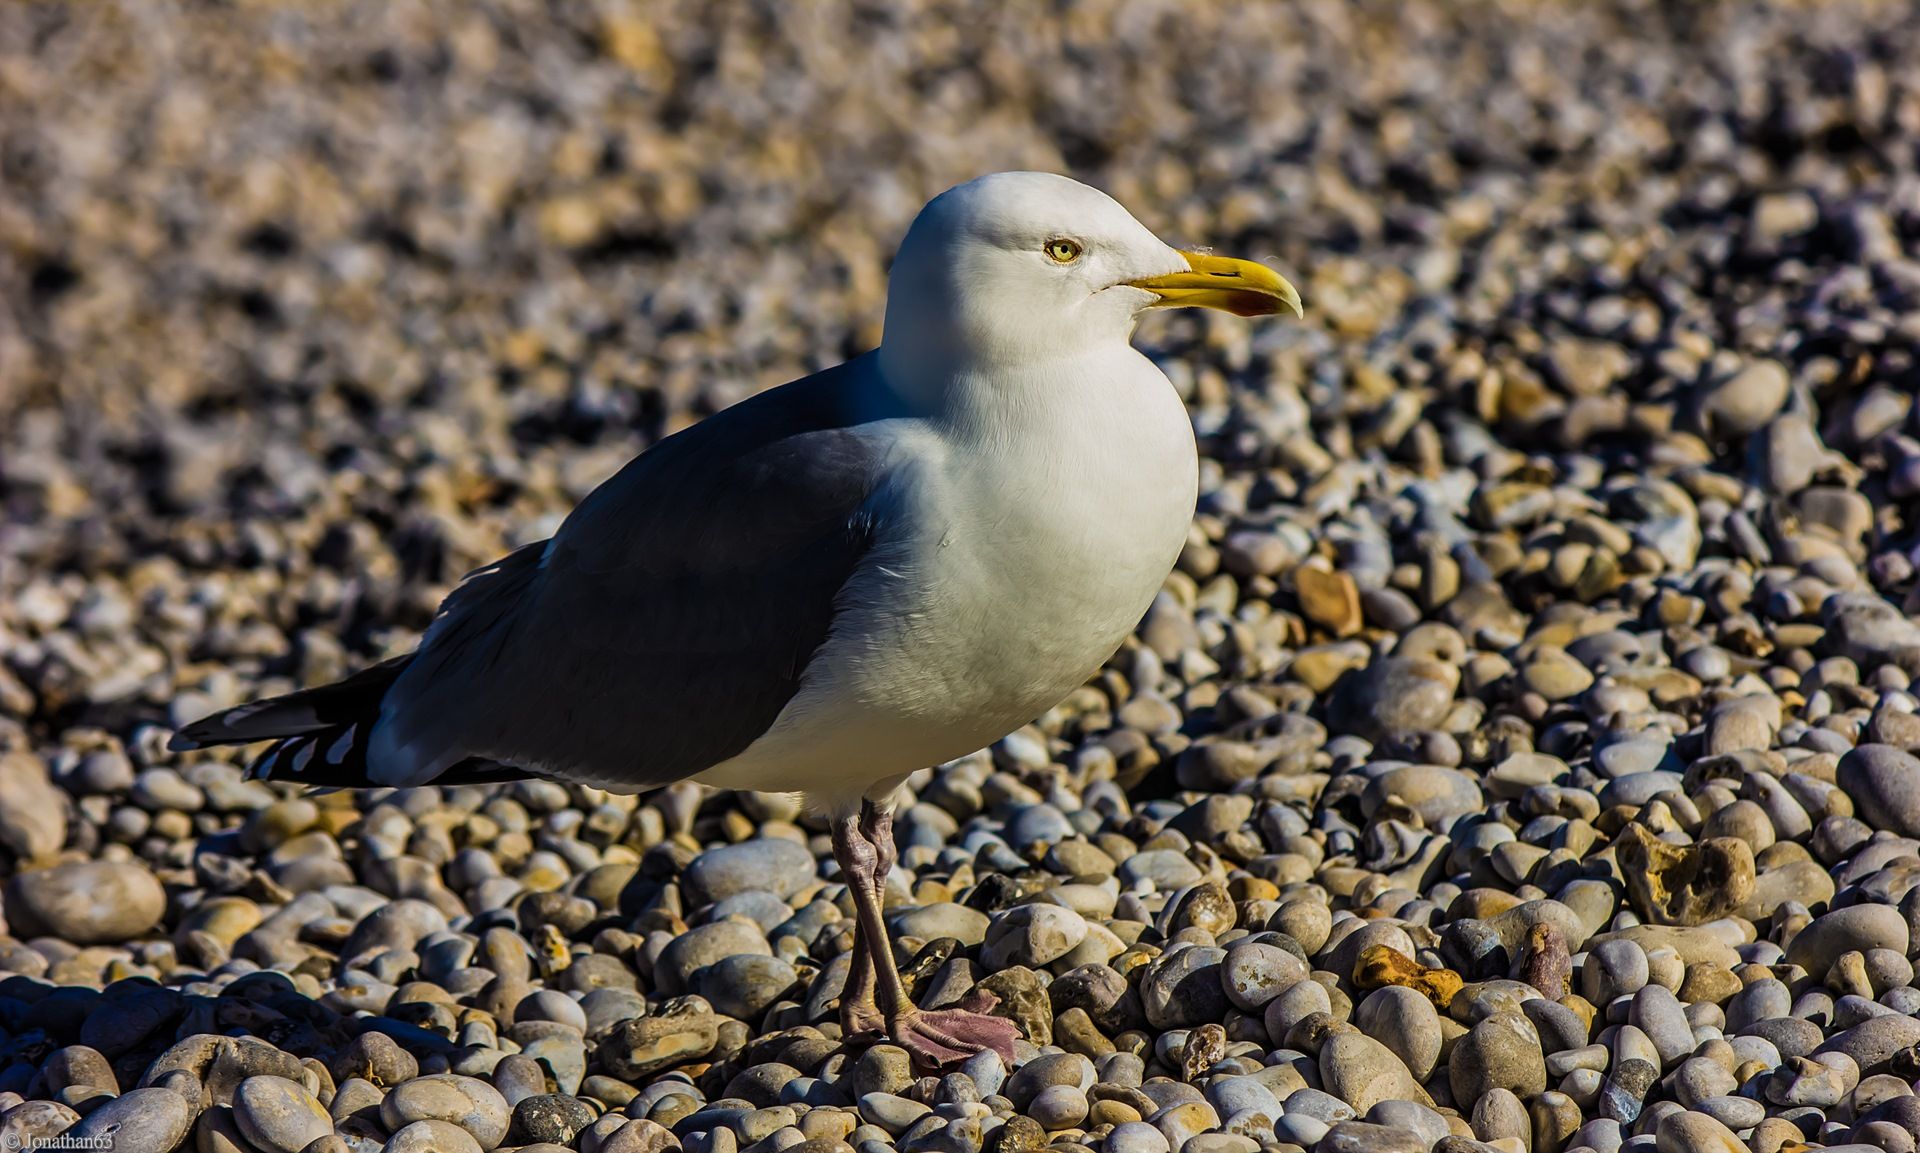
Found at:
[1023, 268]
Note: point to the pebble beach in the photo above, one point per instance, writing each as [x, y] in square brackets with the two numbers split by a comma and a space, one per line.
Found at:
[1523, 757]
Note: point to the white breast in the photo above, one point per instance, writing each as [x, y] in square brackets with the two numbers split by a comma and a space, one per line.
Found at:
[1031, 551]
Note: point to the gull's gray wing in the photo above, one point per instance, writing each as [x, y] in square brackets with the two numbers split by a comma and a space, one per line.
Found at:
[669, 620]
[659, 632]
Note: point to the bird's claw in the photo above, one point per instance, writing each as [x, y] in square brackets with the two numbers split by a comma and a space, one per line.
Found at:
[941, 1038]
[862, 1024]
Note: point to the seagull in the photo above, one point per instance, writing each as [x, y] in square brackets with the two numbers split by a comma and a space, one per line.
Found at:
[838, 581]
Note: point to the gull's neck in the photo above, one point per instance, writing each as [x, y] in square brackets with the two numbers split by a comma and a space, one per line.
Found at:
[994, 400]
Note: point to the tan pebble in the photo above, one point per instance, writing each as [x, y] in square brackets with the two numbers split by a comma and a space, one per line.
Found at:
[431, 1137]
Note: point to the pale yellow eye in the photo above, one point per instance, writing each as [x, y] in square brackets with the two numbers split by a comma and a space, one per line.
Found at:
[1063, 251]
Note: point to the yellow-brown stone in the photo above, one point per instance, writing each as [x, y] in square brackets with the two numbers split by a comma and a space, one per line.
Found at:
[1670, 884]
[1328, 598]
[1381, 965]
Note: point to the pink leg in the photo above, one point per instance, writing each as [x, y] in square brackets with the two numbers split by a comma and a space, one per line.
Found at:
[937, 1038]
[876, 827]
[860, 1018]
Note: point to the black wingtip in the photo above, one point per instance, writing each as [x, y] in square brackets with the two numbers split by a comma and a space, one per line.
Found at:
[182, 741]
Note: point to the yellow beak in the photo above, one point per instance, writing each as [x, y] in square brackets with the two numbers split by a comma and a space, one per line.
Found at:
[1237, 286]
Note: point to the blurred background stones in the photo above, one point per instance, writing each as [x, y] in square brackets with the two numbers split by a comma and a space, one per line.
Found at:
[1522, 755]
